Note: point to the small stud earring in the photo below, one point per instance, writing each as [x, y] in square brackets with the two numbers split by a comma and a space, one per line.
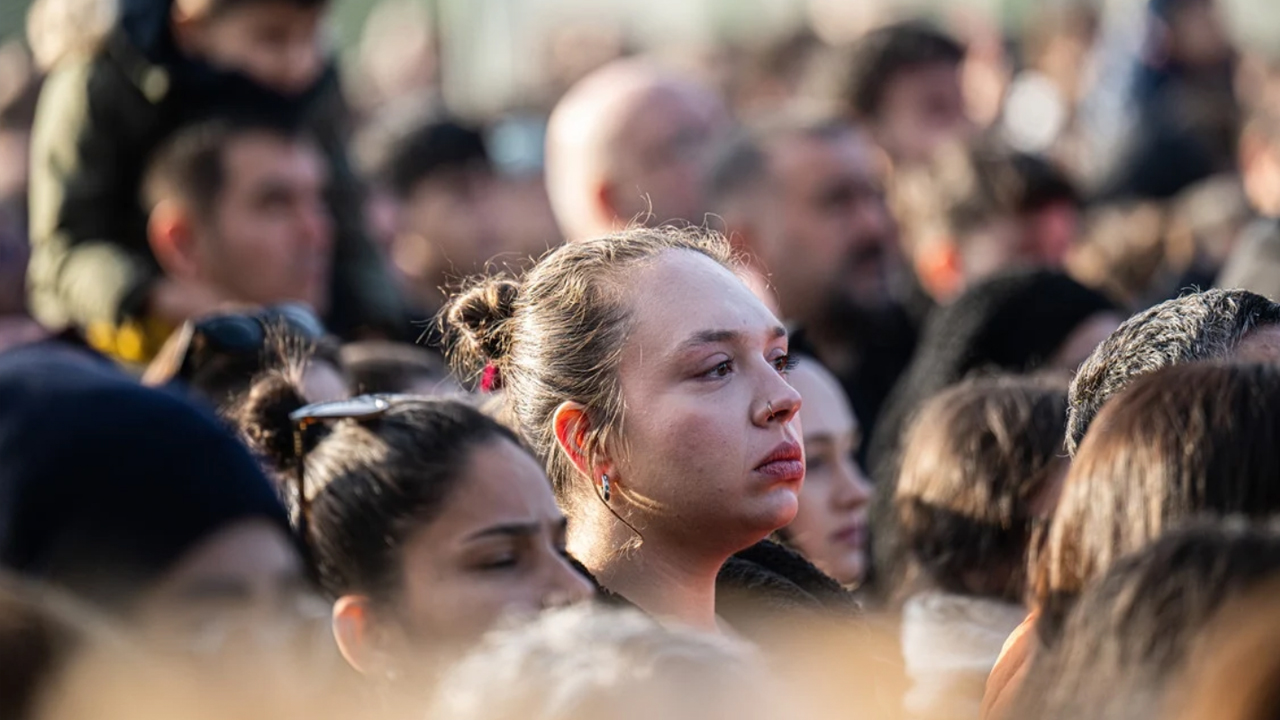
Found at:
[605, 490]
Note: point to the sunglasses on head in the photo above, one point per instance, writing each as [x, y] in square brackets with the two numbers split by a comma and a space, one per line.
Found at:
[245, 335]
[359, 409]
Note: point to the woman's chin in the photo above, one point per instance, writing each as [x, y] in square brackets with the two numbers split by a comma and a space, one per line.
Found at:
[777, 509]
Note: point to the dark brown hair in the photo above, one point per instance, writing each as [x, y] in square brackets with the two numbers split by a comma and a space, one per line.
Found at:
[975, 460]
[1187, 440]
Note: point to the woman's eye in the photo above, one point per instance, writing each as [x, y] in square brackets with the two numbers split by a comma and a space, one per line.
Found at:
[499, 563]
[721, 370]
[814, 462]
[785, 364]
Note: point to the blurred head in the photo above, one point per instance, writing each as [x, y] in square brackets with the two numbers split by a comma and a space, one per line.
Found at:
[41, 635]
[1186, 440]
[428, 522]
[1211, 325]
[980, 467]
[979, 209]
[831, 527]
[442, 180]
[904, 86]
[630, 142]
[837, 247]
[640, 356]
[1192, 33]
[589, 662]
[378, 366]
[220, 356]
[239, 207]
[279, 44]
[156, 515]
[1128, 645]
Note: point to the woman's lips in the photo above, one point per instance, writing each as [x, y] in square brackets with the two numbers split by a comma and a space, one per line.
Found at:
[853, 536]
[784, 464]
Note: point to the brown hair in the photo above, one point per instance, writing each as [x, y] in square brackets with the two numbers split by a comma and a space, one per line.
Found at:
[1186, 440]
[975, 460]
[556, 334]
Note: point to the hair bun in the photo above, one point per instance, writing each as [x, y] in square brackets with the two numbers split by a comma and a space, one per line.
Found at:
[263, 419]
[475, 324]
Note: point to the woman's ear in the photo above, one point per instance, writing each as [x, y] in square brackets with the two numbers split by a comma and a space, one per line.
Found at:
[358, 639]
[571, 426]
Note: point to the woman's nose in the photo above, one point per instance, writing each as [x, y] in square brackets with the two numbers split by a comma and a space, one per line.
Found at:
[566, 586]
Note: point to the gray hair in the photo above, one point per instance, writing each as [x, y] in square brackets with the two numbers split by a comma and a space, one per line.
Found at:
[1197, 327]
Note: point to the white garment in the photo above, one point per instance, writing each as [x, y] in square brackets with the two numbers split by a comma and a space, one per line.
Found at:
[949, 645]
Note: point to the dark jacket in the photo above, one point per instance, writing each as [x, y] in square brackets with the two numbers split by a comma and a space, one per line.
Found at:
[98, 122]
[765, 583]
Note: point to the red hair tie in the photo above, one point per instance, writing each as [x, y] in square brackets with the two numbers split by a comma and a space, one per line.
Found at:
[489, 380]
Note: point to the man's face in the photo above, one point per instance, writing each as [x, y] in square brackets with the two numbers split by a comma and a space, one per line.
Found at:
[838, 239]
[447, 227]
[270, 237]
[278, 44]
[922, 108]
[662, 154]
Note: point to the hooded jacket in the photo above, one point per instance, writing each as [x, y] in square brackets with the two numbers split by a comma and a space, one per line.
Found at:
[99, 119]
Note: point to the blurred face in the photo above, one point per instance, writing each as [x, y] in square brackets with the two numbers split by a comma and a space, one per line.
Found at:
[1198, 36]
[1261, 345]
[714, 461]
[277, 44]
[270, 239]
[448, 228]
[831, 527]
[838, 239]
[661, 156]
[244, 585]
[922, 108]
[497, 547]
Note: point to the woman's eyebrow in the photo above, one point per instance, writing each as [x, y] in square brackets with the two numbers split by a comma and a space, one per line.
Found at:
[708, 337]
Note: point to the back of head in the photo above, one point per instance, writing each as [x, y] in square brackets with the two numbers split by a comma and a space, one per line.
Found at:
[369, 482]
[588, 662]
[883, 53]
[106, 484]
[976, 462]
[1184, 441]
[1129, 639]
[1202, 326]
[556, 334]
[377, 366]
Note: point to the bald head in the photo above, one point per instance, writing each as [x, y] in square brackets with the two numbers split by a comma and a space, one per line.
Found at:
[628, 139]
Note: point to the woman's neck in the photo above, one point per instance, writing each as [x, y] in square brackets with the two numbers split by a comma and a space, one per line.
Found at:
[663, 579]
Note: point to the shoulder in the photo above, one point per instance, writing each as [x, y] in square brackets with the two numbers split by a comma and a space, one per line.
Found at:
[769, 577]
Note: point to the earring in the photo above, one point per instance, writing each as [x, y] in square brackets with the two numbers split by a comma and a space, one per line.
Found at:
[605, 491]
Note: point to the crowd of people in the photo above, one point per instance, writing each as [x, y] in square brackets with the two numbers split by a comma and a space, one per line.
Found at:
[934, 374]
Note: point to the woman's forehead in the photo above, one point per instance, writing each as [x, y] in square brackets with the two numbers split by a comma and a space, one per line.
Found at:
[682, 292]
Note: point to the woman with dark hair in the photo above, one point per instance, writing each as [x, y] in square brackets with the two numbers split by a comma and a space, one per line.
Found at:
[981, 467]
[1185, 441]
[1017, 323]
[426, 520]
[652, 383]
